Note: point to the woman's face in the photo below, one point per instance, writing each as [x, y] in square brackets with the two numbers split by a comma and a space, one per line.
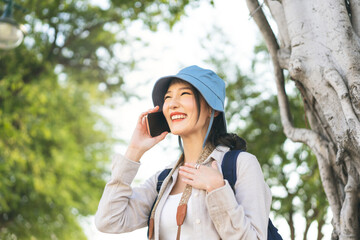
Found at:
[181, 112]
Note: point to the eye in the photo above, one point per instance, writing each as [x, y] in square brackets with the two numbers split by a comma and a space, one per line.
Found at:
[166, 97]
[185, 93]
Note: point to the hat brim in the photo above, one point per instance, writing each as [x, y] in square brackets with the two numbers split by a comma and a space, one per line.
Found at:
[162, 85]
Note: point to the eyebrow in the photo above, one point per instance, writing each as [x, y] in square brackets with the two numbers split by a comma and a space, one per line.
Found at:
[183, 88]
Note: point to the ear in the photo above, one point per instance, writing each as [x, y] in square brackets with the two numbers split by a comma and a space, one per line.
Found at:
[215, 114]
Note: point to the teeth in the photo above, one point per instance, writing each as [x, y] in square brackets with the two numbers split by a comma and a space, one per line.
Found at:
[178, 117]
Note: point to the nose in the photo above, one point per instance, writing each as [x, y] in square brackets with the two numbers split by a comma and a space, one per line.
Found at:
[173, 103]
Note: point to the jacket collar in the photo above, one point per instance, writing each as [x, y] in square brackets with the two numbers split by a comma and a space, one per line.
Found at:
[218, 154]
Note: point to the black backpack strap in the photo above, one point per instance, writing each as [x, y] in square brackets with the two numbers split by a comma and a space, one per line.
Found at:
[161, 178]
[228, 167]
[273, 232]
[160, 181]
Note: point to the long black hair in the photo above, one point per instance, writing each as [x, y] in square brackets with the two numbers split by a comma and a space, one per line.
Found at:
[218, 136]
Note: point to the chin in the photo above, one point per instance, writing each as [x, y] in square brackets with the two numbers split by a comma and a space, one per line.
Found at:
[176, 132]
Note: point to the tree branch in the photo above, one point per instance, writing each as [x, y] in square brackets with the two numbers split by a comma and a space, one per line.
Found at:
[73, 36]
[349, 211]
[273, 47]
[297, 135]
[330, 187]
[355, 16]
[284, 57]
[355, 96]
[321, 223]
[336, 81]
[89, 28]
[307, 226]
[53, 44]
[277, 11]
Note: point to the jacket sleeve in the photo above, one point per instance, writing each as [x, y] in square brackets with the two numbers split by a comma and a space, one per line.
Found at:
[245, 214]
[123, 208]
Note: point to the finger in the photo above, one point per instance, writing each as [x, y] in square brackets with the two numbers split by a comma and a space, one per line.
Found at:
[186, 174]
[214, 165]
[188, 181]
[190, 165]
[142, 116]
[155, 109]
[161, 136]
[188, 169]
[151, 110]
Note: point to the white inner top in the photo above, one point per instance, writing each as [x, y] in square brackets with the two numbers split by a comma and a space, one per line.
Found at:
[168, 226]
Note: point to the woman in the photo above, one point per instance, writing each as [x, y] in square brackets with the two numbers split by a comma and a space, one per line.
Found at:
[194, 192]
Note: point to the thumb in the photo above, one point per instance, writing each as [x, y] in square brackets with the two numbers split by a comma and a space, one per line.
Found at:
[214, 165]
[161, 136]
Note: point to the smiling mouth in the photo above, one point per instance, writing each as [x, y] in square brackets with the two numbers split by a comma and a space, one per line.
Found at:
[178, 116]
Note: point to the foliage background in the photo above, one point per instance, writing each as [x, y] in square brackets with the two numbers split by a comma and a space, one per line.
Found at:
[55, 146]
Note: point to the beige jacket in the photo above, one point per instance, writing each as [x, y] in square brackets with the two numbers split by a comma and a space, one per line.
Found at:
[220, 214]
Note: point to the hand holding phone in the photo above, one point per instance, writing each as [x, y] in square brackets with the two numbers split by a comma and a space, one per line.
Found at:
[141, 140]
[156, 124]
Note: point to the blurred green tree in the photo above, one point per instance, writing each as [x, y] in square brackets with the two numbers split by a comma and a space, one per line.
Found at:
[252, 112]
[53, 144]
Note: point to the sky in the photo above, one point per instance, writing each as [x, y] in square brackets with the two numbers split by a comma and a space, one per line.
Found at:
[166, 53]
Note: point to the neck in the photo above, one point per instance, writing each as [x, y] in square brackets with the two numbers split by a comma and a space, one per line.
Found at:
[193, 144]
[193, 147]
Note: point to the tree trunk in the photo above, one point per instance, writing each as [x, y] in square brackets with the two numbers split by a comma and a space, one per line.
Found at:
[320, 235]
[307, 227]
[291, 224]
[318, 43]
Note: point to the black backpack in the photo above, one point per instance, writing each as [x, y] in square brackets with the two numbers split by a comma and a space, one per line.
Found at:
[228, 167]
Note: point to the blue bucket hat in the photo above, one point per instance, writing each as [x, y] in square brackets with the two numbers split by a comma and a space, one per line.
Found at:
[208, 83]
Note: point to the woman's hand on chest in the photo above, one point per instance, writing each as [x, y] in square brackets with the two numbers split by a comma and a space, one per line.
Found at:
[204, 177]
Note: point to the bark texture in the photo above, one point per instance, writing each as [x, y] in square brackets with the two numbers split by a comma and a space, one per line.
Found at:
[318, 44]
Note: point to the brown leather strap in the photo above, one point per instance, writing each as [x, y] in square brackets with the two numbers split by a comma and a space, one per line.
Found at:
[178, 233]
[181, 210]
[152, 214]
[180, 218]
[181, 214]
[151, 228]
